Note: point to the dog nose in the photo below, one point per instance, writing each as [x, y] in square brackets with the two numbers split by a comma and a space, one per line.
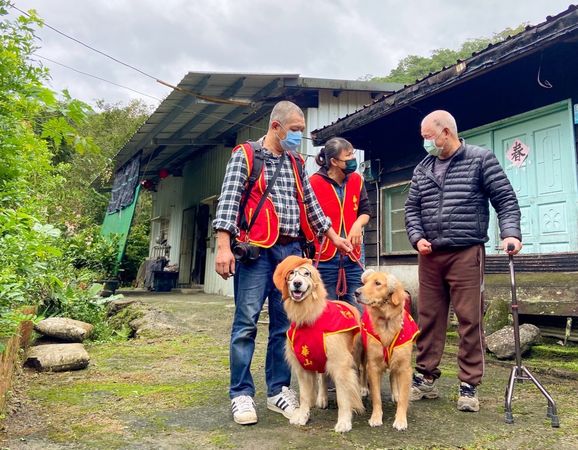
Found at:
[297, 284]
[357, 293]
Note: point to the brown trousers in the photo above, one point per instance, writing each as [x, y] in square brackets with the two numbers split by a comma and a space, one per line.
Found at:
[455, 276]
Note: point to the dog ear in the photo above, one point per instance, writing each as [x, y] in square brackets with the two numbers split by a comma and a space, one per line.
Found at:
[398, 297]
[366, 274]
[319, 290]
[285, 292]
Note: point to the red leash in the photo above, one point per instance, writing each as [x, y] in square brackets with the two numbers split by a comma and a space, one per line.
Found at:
[318, 256]
[341, 287]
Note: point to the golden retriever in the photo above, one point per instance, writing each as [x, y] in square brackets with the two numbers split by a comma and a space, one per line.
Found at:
[307, 307]
[389, 344]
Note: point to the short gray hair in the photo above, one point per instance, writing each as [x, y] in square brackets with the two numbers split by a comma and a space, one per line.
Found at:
[282, 110]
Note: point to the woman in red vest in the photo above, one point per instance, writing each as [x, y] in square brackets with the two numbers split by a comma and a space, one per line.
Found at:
[342, 196]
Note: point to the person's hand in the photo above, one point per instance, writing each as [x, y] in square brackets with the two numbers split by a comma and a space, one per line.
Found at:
[225, 262]
[424, 247]
[343, 245]
[224, 259]
[354, 235]
[511, 240]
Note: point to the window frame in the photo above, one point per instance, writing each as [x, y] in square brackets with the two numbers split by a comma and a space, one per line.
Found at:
[385, 218]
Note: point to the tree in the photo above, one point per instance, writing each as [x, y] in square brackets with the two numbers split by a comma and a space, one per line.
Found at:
[47, 160]
[82, 200]
[414, 67]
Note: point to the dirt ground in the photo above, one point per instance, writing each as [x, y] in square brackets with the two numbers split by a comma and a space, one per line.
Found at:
[171, 393]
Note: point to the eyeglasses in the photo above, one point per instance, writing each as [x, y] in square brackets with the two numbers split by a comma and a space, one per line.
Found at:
[300, 271]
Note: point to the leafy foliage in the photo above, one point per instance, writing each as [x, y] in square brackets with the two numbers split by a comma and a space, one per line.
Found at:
[89, 251]
[414, 67]
[137, 244]
[49, 255]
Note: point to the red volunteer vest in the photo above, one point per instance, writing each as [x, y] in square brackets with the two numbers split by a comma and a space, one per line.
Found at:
[341, 217]
[308, 342]
[265, 230]
[407, 334]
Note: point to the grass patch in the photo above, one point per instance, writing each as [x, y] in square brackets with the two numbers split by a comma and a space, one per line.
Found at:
[220, 440]
[91, 395]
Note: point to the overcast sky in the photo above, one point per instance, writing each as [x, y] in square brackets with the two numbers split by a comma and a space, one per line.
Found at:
[345, 39]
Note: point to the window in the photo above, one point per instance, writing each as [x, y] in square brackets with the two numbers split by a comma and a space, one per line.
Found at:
[393, 235]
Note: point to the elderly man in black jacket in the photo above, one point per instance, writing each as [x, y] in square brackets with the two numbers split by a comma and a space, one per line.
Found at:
[447, 216]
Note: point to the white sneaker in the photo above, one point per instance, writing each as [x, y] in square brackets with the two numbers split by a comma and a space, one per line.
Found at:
[285, 402]
[243, 408]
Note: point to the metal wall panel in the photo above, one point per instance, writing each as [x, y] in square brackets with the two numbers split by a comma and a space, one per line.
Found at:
[203, 175]
[168, 206]
[330, 109]
[214, 284]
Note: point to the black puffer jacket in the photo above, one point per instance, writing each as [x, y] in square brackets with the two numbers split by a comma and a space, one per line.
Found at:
[455, 212]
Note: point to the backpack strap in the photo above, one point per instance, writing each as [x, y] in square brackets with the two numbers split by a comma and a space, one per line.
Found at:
[300, 165]
[256, 168]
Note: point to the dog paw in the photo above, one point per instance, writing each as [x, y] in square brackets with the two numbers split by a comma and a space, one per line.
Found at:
[299, 417]
[400, 424]
[375, 421]
[364, 392]
[343, 426]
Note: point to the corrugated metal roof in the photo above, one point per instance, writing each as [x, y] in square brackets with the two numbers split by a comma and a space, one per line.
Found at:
[530, 40]
[208, 108]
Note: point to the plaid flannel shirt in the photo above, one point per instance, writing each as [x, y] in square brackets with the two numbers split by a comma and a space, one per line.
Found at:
[283, 194]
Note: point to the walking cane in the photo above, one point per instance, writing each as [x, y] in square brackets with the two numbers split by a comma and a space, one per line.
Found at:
[519, 372]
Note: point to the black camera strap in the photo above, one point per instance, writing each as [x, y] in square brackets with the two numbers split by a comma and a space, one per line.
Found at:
[267, 191]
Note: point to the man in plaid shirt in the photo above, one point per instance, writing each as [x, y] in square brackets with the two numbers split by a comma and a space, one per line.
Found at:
[253, 280]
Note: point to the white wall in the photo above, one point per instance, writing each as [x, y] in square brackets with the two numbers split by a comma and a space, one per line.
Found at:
[330, 109]
[167, 204]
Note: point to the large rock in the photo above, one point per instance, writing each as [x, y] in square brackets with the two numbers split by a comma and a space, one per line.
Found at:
[64, 329]
[497, 315]
[145, 320]
[501, 343]
[115, 306]
[58, 357]
[154, 323]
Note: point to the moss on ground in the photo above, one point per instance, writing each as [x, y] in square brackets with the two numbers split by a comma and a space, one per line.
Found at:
[125, 316]
[172, 393]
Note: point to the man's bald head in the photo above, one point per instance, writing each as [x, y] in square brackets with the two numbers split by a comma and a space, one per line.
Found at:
[440, 119]
[439, 127]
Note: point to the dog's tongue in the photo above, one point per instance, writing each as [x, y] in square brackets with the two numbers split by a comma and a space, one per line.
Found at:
[297, 295]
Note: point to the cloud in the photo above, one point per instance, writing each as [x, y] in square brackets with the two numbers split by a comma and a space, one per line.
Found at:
[317, 38]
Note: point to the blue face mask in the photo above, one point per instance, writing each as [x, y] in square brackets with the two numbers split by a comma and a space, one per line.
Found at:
[292, 141]
[350, 166]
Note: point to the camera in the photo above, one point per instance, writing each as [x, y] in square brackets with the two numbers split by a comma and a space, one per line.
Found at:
[308, 249]
[245, 252]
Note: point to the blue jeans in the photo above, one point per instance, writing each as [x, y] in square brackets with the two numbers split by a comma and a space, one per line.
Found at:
[329, 271]
[253, 283]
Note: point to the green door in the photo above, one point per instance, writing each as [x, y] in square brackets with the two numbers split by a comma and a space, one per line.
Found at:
[545, 182]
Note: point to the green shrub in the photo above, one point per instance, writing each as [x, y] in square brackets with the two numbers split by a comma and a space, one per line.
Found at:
[88, 250]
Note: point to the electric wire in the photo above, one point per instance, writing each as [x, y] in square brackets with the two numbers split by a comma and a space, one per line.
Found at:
[185, 91]
[213, 116]
[88, 46]
[98, 78]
